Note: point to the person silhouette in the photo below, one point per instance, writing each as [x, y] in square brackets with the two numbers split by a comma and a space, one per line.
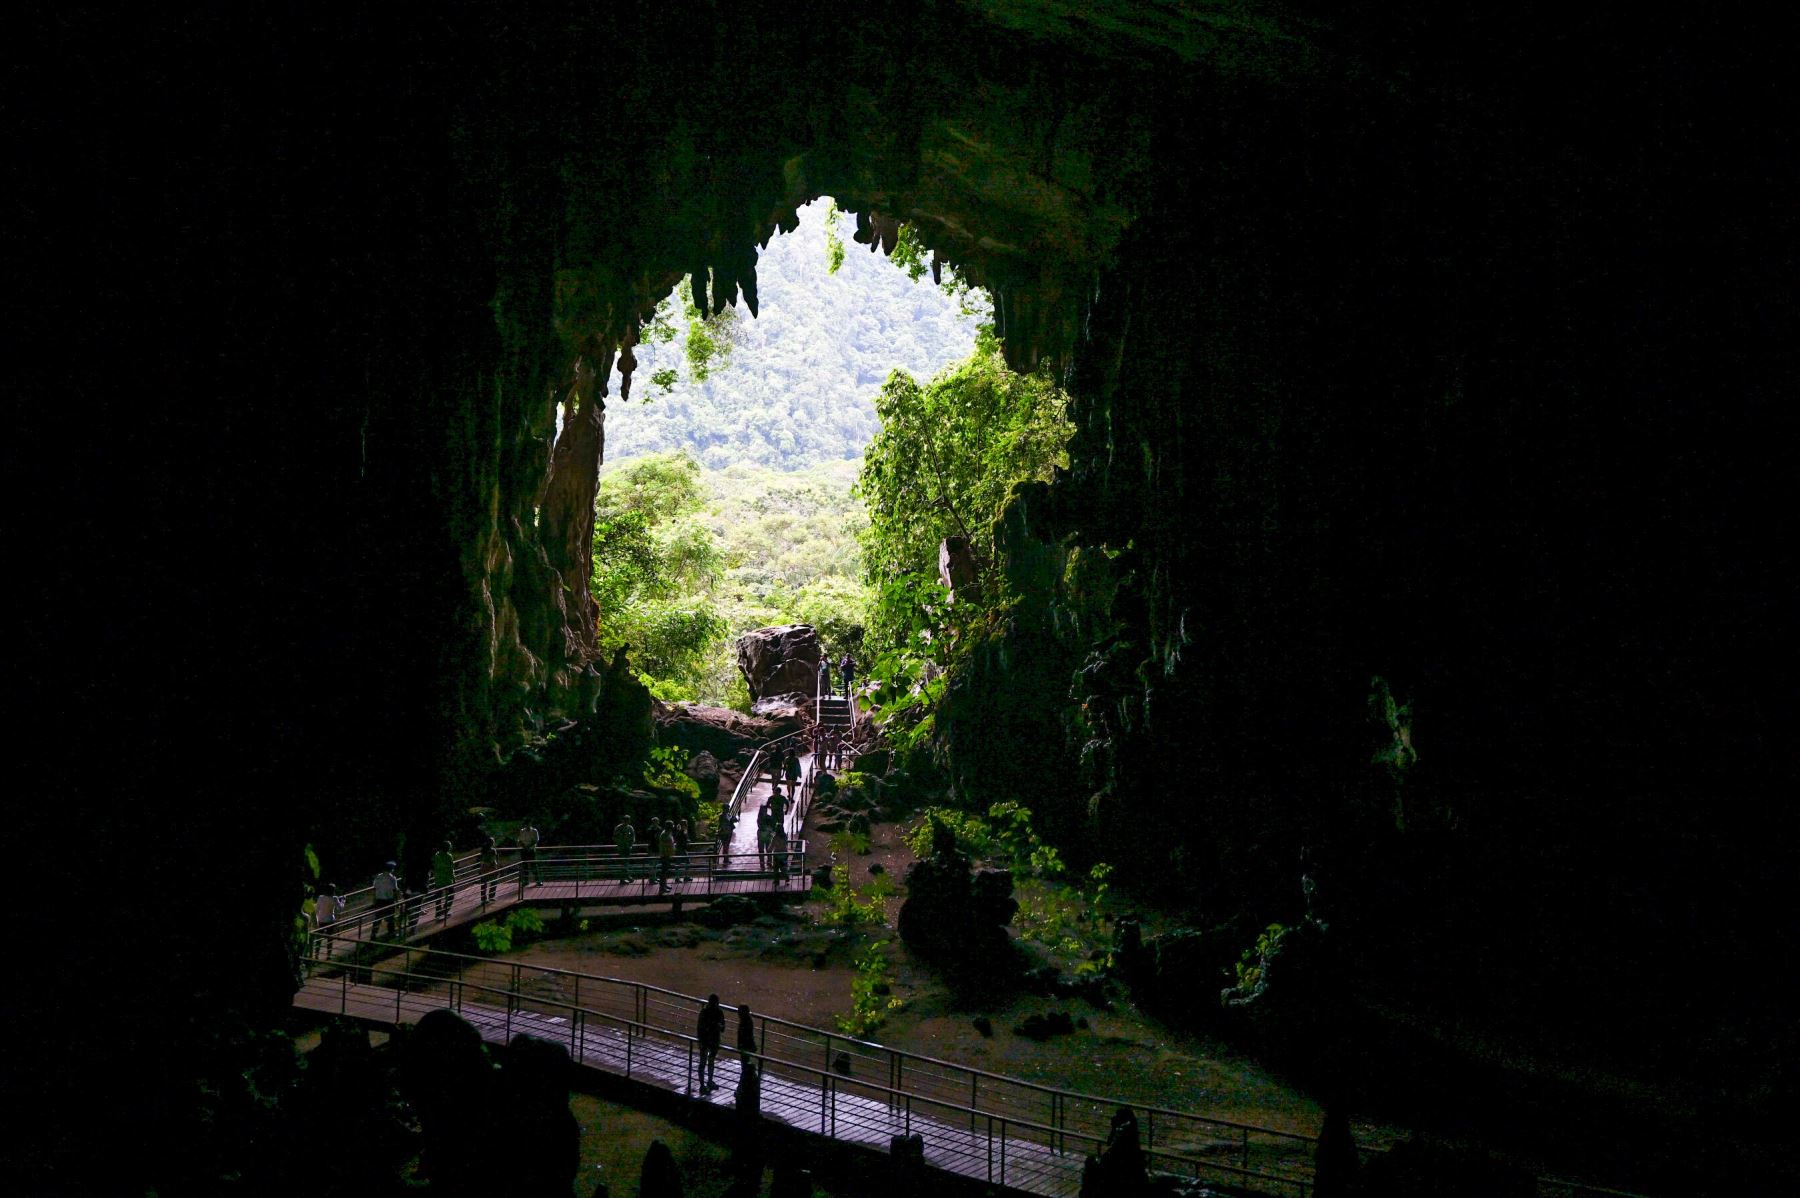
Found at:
[710, 1033]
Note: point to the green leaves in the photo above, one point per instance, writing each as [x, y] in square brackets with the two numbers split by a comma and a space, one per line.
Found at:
[834, 244]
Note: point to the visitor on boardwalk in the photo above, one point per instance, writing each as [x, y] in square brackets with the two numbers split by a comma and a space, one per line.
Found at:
[765, 834]
[490, 861]
[443, 876]
[681, 847]
[727, 826]
[778, 847]
[528, 843]
[793, 772]
[624, 840]
[710, 1033]
[847, 668]
[824, 678]
[665, 853]
[327, 906]
[746, 1034]
[386, 889]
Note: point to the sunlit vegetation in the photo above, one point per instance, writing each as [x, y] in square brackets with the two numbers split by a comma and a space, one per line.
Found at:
[687, 559]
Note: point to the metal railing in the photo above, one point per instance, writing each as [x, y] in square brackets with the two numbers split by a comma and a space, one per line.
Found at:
[600, 866]
[982, 1124]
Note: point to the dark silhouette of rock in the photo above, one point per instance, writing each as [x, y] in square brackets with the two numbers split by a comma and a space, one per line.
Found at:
[906, 1174]
[1043, 1026]
[537, 1138]
[984, 1025]
[445, 1073]
[1335, 1163]
[1120, 1170]
[660, 1176]
[955, 913]
[779, 661]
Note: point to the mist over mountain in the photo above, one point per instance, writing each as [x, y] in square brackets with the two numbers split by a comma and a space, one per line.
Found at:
[799, 386]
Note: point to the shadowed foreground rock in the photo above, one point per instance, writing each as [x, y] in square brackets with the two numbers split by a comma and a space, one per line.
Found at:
[953, 912]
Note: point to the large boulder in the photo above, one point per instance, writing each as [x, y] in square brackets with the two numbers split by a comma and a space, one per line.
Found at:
[779, 661]
[696, 728]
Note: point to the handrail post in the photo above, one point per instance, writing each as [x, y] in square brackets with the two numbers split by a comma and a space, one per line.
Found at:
[1245, 1133]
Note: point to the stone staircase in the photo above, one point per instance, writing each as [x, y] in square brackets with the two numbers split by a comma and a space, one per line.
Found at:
[835, 714]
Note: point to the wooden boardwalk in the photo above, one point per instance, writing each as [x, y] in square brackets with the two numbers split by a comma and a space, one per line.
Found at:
[586, 882]
[845, 1109]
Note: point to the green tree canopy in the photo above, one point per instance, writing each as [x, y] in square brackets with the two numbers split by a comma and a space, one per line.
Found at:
[946, 458]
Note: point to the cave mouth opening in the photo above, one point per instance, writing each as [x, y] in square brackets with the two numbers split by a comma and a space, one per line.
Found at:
[725, 494]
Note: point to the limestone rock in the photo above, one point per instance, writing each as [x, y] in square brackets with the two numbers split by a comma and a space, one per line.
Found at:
[720, 731]
[703, 768]
[780, 660]
[958, 570]
[789, 711]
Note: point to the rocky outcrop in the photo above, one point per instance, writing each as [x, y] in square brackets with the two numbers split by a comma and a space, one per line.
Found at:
[697, 728]
[953, 912]
[783, 660]
[789, 711]
[703, 768]
[959, 570]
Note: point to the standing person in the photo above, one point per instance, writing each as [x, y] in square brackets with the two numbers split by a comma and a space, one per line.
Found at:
[443, 877]
[824, 677]
[847, 667]
[528, 843]
[793, 773]
[710, 1033]
[682, 846]
[624, 840]
[387, 893]
[490, 861]
[765, 834]
[727, 825]
[778, 849]
[665, 857]
[746, 1036]
[326, 908]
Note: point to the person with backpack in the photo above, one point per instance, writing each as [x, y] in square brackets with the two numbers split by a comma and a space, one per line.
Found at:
[847, 667]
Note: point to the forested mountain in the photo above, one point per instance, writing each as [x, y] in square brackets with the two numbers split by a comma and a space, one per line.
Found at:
[798, 387]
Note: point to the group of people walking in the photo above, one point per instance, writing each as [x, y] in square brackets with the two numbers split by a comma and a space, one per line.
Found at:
[396, 908]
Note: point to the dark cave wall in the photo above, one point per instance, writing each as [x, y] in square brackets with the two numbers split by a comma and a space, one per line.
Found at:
[1415, 350]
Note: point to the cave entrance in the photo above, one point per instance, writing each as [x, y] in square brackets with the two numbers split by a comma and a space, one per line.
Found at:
[724, 502]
